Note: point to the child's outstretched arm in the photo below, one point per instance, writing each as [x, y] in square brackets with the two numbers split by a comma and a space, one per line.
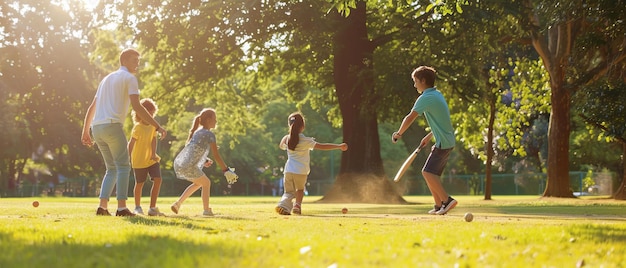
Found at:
[230, 175]
[331, 146]
[218, 158]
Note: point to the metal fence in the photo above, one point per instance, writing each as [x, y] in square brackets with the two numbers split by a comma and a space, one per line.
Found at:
[512, 184]
[502, 184]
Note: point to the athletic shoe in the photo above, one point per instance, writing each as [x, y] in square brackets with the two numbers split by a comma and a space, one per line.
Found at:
[155, 212]
[102, 212]
[138, 210]
[282, 211]
[296, 210]
[434, 210]
[207, 213]
[124, 213]
[175, 207]
[447, 206]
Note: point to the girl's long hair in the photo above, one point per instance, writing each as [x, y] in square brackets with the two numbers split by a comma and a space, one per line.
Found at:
[205, 113]
[296, 124]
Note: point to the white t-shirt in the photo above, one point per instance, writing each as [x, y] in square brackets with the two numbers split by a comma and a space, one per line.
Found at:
[112, 100]
[299, 160]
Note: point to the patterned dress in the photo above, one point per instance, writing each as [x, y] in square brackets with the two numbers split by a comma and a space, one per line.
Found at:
[190, 161]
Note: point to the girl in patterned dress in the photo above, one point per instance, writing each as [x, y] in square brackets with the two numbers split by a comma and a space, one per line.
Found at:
[194, 156]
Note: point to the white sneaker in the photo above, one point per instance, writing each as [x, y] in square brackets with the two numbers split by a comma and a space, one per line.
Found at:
[175, 207]
[447, 206]
[434, 210]
[207, 212]
[139, 210]
[155, 212]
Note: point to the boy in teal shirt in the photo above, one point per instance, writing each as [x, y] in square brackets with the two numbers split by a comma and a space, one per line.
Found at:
[432, 105]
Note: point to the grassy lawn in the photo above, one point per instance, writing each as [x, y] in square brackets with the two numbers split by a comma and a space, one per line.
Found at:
[520, 231]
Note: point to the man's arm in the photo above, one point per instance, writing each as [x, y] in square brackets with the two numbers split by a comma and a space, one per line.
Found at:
[86, 136]
[153, 147]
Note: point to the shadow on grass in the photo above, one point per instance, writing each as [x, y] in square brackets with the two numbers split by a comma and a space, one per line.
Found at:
[559, 211]
[372, 210]
[184, 221]
[552, 211]
[598, 233]
[139, 251]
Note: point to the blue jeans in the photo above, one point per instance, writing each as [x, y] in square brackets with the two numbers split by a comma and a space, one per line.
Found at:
[112, 143]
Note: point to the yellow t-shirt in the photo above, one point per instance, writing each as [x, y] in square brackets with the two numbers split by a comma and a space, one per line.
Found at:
[142, 150]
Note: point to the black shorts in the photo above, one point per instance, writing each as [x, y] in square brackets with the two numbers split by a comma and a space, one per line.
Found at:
[141, 174]
[437, 160]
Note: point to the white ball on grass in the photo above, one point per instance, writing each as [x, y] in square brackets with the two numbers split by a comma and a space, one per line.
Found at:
[468, 217]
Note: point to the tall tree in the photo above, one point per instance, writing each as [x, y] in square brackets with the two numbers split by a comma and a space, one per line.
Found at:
[45, 74]
[197, 46]
[361, 166]
[561, 33]
[474, 59]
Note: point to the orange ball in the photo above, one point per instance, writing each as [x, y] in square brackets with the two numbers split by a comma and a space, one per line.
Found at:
[35, 203]
[344, 210]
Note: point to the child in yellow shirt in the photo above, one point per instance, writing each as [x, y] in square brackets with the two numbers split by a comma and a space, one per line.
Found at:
[144, 159]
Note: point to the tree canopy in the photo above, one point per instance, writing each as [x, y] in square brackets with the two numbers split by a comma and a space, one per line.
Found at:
[508, 70]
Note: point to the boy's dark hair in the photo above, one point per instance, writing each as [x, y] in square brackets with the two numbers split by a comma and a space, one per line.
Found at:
[426, 73]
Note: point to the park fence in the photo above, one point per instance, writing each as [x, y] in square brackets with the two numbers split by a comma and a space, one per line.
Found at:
[581, 183]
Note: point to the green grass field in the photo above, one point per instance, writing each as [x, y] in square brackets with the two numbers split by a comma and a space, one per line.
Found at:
[508, 231]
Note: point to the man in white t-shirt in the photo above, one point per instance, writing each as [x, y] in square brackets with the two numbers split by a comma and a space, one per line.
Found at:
[105, 116]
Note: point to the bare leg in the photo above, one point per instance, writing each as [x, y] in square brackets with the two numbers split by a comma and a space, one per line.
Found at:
[192, 188]
[121, 203]
[104, 203]
[436, 189]
[206, 191]
[137, 192]
[299, 196]
[154, 193]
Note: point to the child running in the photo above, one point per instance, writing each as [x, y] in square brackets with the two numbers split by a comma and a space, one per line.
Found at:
[298, 167]
[189, 162]
[144, 159]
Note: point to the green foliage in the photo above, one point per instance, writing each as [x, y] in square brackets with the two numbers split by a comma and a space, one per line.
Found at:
[257, 61]
[599, 110]
[529, 99]
[601, 104]
[46, 80]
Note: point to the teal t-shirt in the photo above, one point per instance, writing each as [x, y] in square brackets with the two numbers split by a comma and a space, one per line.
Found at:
[433, 106]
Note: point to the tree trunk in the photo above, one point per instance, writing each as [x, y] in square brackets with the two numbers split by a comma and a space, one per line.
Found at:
[620, 194]
[490, 153]
[558, 184]
[554, 48]
[361, 178]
